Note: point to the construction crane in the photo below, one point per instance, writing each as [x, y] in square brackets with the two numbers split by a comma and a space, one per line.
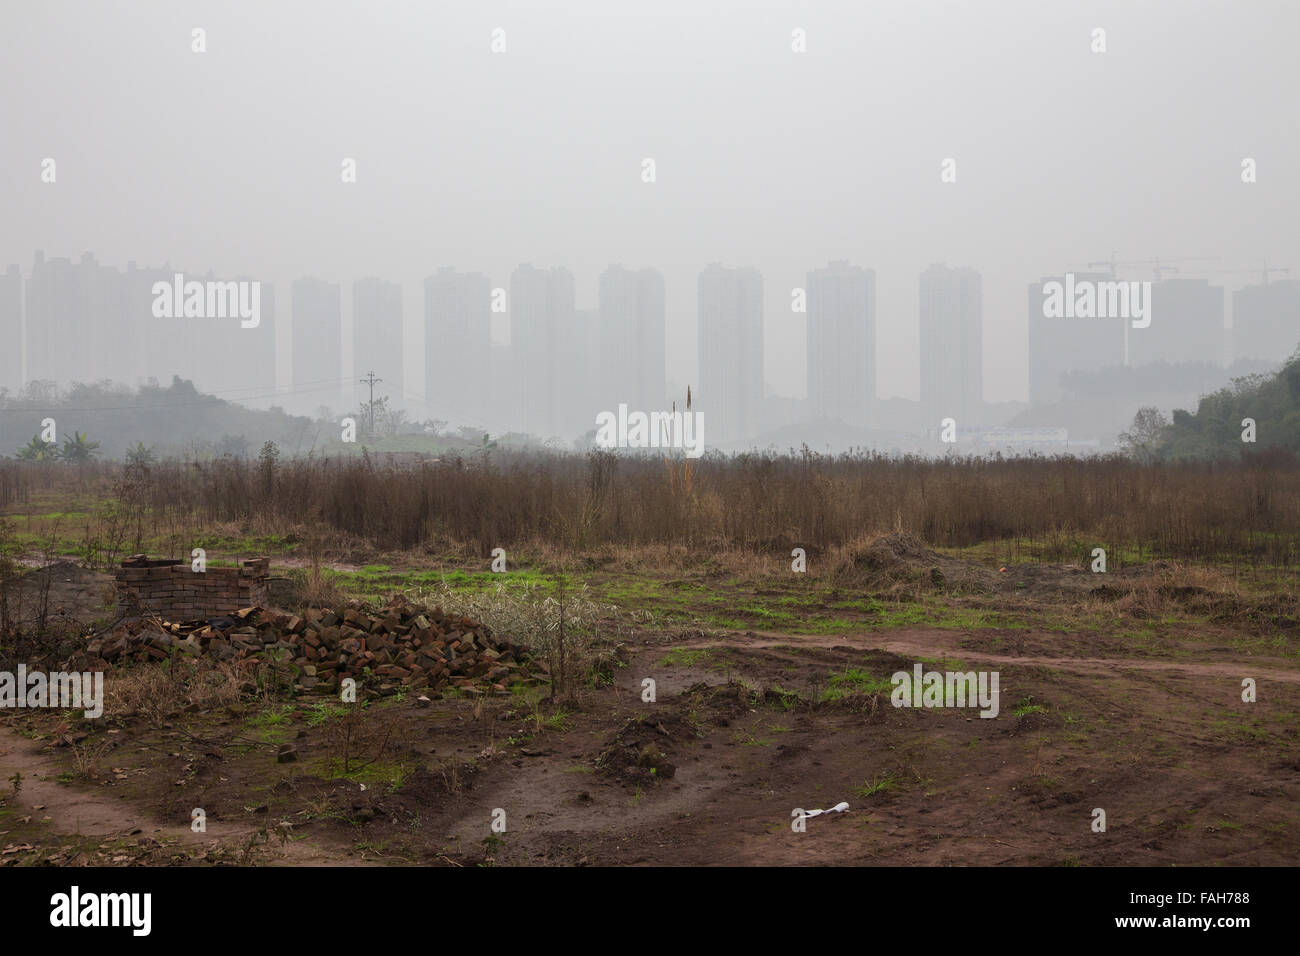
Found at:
[1112, 263]
[1264, 272]
[1157, 264]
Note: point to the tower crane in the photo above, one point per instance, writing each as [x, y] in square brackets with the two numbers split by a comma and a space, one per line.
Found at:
[1264, 272]
[1158, 266]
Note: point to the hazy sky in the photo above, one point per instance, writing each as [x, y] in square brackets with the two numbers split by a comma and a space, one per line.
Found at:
[230, 160]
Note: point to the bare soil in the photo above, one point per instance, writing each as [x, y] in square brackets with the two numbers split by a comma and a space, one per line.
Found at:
[746, 728]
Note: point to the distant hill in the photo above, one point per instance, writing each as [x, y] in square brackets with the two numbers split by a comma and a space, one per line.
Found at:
[178, 421]
[175, 420]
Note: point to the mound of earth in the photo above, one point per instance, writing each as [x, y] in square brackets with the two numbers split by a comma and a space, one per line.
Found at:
[890, 550]
[901, 558]
[644, 747]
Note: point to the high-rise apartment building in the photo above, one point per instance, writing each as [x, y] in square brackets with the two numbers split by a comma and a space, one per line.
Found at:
[317, 332]
[1060, 344]
[731, 352]
[632, 335]
[457, 345]
[581, 397]
[1266, 321]
[377, 335]
[952, 343]
[841, 310]
[1187, 324]
[541, 325]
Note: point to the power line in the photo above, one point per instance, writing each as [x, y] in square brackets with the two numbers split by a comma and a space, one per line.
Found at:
[372, 382]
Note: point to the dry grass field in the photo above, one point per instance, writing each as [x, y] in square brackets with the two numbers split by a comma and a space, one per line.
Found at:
[1119, 690]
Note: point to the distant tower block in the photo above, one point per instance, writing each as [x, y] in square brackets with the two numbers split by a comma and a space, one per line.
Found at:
[952, 343]
[377, 333]
[842, 343]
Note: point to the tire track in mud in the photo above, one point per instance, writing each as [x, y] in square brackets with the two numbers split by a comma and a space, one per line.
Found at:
[77, 811]
[929, 643]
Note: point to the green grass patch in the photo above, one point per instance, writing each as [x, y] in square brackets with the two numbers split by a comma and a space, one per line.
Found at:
[854, 682]
[683, 657]
[1026, 706]
[881, 783]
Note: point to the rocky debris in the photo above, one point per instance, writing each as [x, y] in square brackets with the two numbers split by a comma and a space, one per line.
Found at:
[400, 644]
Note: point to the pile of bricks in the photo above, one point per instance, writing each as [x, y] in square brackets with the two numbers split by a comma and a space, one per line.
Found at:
[399, 645]
[173, 590]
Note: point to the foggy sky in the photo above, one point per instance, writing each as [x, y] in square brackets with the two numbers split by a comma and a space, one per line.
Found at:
[230, 160]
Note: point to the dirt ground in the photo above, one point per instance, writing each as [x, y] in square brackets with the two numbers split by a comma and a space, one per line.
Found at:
[746, 728]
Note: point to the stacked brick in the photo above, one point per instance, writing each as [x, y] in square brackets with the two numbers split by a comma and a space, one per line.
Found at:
[174, 591]
[398, 645]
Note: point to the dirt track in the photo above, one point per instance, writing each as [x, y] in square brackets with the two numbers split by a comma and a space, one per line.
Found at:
[1186, 772]
[93, 816]
[937, 643]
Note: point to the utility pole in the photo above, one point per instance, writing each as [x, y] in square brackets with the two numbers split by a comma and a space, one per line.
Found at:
[372, 382]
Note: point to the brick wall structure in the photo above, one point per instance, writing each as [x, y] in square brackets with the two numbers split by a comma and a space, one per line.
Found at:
[175, 592]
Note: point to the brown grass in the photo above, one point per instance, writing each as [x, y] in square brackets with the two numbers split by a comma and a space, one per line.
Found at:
[762, 502]
[159, 693]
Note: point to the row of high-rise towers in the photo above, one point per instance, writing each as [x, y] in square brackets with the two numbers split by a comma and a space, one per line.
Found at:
[82, 321]
[85, 321]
